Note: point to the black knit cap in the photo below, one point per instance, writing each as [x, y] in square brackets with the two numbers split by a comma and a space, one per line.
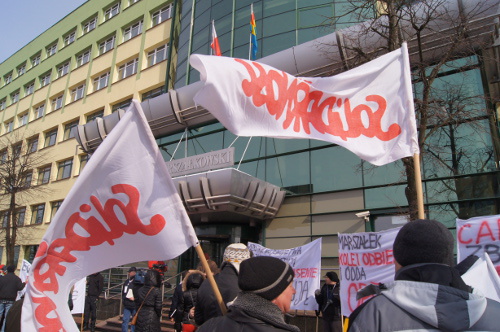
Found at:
[424, 241]
[332, 276]
[265, 276]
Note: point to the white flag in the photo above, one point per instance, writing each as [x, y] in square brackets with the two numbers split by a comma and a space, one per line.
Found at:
[368, 110]
[483, 278]
[23, 275]
[123, 208]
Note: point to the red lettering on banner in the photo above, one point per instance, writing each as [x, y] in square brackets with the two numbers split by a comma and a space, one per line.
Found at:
[460, 235]
[378, 258]
[274, 90]
[306, 272]
[43, 311]
[484, 231]
[352, 290]
[59, 251]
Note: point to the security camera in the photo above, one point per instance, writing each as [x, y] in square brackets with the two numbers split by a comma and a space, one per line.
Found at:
[364, 214]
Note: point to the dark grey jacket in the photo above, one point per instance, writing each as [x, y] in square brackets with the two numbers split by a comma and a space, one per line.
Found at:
[428, 306]
[10, 284]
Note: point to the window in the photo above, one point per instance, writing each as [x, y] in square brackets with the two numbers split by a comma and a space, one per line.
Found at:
[95, 115]
[77, 93]
[63, 69]
[83, 58]
[21, 70]
[3, 104]
[30, 252]
[112, 11]
[37, 213]
[44, 80]
[35, 61]
[70, 129]
[29, 88]
[57, 103]
[51, 50]
[132, 31]
[153, 93]
[54, 207]
[27, 179]
[14, 97]
[89, 25]
[161, 15]
[23, 119]
[70, 38]
[20, 216]
[4, 215]
[130, 68]
[39, 111]
[83, 161]
[157, 55]
[122, 105]
[101, 82]
[64, 169]
[33, 144]
[7, 78]
[16, 149]
[9, 126]
[106, 45]
[50, 137]
[44, 174]
[3, 156]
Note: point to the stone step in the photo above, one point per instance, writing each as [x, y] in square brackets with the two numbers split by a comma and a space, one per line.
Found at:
[115, 323]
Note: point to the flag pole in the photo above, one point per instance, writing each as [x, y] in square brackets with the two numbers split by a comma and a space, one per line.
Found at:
[211, 279]
[418, 185]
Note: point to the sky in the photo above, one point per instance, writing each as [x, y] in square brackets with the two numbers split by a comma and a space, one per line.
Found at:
[24, 20]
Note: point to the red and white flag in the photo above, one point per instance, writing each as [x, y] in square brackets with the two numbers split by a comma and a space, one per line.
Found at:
[368, 110]
[215, 41]
[123, 208]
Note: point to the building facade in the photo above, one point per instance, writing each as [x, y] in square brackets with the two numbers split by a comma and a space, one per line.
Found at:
[89, 64]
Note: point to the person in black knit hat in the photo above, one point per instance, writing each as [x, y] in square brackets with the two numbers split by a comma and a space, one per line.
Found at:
[328, 299]
[428, 293]
[266, 294]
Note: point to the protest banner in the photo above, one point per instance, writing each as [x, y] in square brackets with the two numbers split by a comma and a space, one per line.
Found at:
[483, 278]
[479, 235]
[23, 275]
[364, 259]
[306, 263]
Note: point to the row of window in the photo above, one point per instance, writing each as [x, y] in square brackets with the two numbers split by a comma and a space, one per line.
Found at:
[98, 82]
[37, 214]
[104, 46]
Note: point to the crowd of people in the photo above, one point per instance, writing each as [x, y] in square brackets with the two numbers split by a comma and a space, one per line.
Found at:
[428, 294]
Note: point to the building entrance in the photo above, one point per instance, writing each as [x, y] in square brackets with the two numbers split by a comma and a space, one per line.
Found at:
[214, 239]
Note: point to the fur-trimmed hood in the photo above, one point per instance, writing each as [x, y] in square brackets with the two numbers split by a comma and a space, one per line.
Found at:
[193, 279]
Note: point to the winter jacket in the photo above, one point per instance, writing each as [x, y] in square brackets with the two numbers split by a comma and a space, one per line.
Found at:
[329, 302]
[188, 300]
[10, 284]
[426, 297]
[95, 284]
[249, 313]
[129, 284]
[227, 282]
[148, 319]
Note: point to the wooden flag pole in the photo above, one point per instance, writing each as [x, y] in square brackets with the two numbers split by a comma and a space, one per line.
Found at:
[418, 185]
[211, 279]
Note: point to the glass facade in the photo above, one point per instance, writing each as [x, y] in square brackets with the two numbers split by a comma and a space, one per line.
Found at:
[460, 170]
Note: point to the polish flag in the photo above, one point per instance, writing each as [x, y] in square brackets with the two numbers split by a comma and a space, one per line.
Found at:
[215, 41]
[123, 208]
[368, 110]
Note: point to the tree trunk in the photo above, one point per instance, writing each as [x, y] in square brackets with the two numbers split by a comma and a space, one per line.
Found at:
[411, 189]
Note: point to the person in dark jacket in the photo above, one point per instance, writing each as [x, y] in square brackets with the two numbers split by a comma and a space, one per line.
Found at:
[227, 282]
[95, 286]
[10, 284]
[328, 299]
[428, 293]
[148, 302]
[188, 300]
[173, 314]
[266, 294]
[129, 307]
